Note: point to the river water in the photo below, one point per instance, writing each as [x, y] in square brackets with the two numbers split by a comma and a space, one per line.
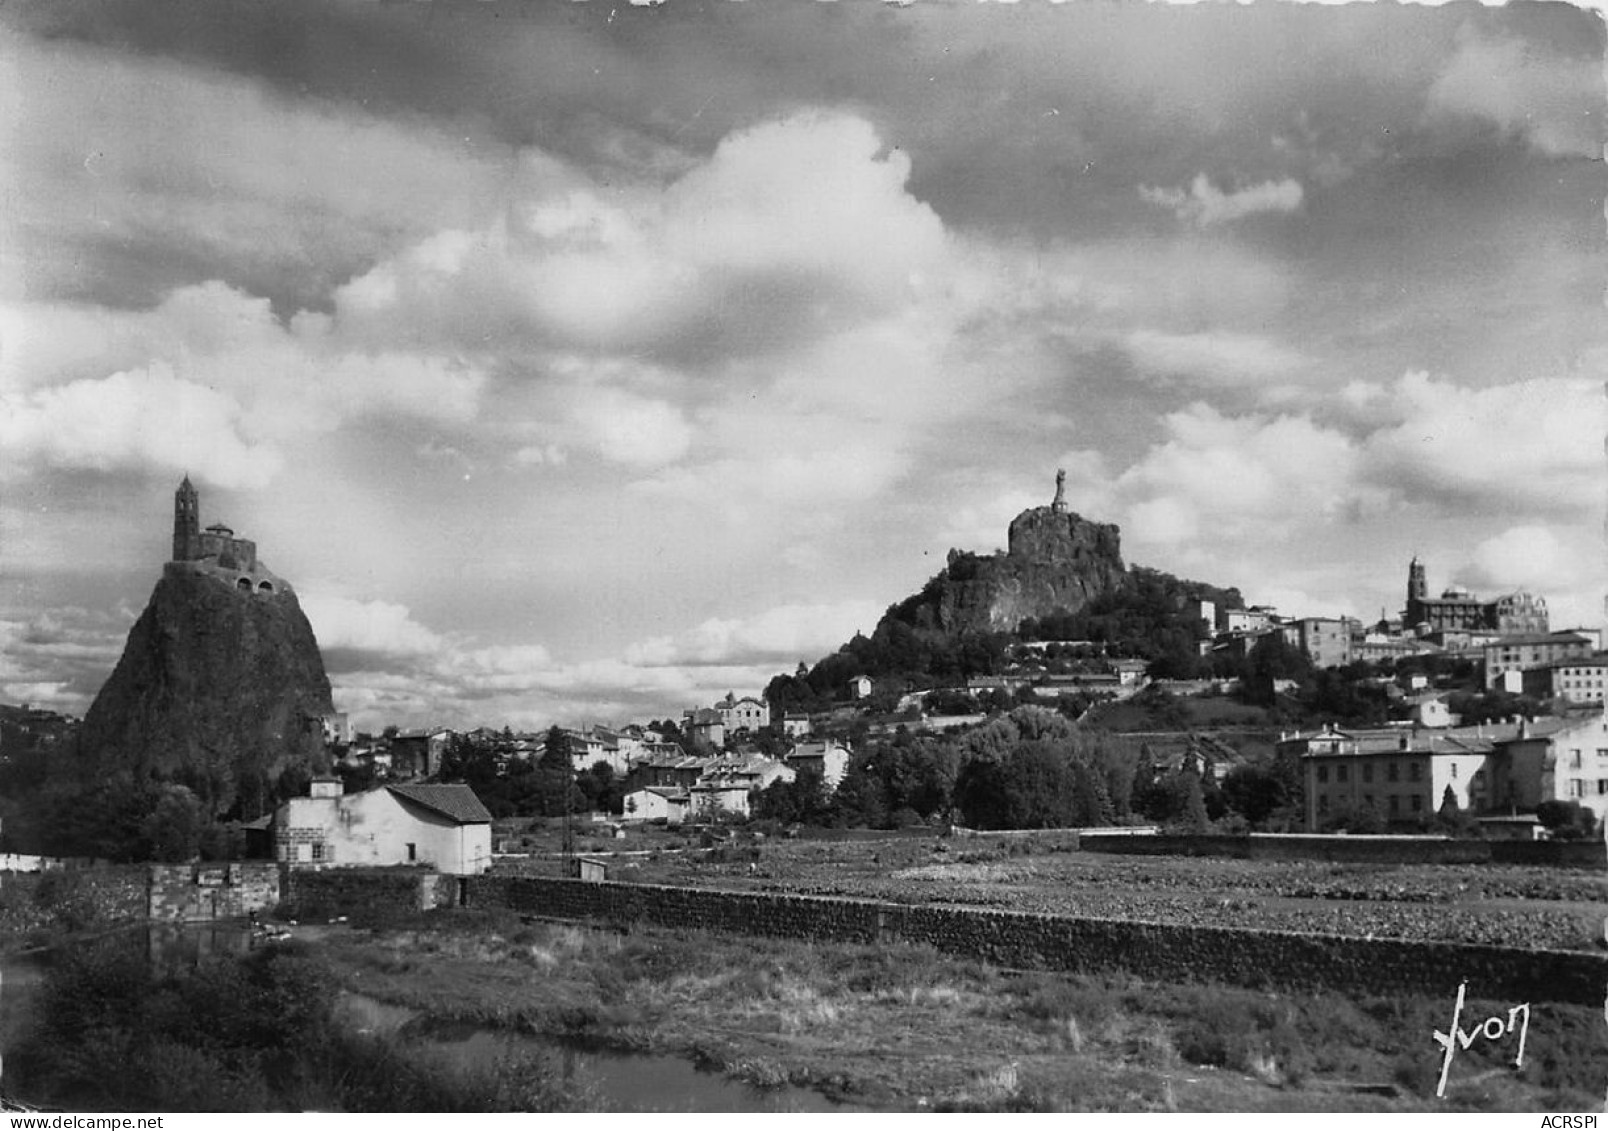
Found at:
[619, 1082]
[611, 1081]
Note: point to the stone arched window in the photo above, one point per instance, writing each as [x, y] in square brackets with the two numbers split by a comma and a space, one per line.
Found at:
[243, 584]
[265, 587]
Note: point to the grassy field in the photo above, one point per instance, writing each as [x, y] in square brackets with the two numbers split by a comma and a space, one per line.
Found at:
[907, 1028]
[1550, 908]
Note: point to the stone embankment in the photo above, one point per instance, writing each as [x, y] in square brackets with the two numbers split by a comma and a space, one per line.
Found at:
[1160, 951]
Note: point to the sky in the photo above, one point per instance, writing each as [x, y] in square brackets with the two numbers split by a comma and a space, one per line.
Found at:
[581, 362]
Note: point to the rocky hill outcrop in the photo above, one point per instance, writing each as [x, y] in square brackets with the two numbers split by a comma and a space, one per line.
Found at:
[1056, 561]
[219, 689]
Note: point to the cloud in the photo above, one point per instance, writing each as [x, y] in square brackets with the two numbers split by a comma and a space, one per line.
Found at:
[789, 228]
[378, 628]
[115, 147]
[626, 428]
[1555, 102]
[208, 381]
[782, 636]
[1216, 357]
[1535, 444]
[1229, 478]
[1524, 557]
[145, 418]
[1204, 205]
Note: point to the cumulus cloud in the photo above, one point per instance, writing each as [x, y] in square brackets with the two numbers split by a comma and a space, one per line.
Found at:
[212, 383]
[379, 627]
[1529, 444]
[788, 223]
[1231, 477]
[1204, 205]
[146, 418]
[1525, 557]
[782, 635]
[1555, 102]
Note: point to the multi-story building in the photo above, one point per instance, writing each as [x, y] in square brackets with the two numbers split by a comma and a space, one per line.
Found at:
[1403, 774]
[1246, 620]
[1325, 640]
[747, 713]
[1583, 679]
[1531, 650]
[1555, 760]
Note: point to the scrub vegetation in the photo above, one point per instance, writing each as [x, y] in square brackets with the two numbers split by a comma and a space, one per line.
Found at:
[908, 1028]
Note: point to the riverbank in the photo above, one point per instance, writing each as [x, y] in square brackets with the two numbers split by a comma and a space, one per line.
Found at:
[907, 1028]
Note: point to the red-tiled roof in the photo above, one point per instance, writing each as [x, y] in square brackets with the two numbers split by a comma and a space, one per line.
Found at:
[454, 802]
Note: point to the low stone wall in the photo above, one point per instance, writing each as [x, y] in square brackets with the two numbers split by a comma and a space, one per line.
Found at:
[1160, 951]
[1356, 849]
[1164, 952]
[368, 896]
[74, 898]
[199, 893]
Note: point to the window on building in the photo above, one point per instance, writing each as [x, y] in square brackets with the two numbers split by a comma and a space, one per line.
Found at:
[1577, 788]
[1574, 759]
[1340, 773]
[1392, 772]
[1367, 799]
[1367, 771]
[1395, 804]
[318, 851]
[1415, 771]
[1418, 803]
[1323, 802]
[1602, 786]
[1454, 769]
[1323, 773]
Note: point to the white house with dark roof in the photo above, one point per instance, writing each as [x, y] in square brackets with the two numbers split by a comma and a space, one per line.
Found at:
[440, 826]
[656, 803]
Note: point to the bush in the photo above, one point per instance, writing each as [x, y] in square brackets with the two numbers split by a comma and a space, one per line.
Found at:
[257, 1033]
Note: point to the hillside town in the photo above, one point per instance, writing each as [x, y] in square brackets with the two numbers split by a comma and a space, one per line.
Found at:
[1469, 712]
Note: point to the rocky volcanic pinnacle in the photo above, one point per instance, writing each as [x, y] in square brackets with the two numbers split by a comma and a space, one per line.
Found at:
[1057, 560]
[218, 689]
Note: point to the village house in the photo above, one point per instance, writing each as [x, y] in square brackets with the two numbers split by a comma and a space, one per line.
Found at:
[1555, 760]
[706, 728]
[418, 753]
[658, 803]
[440, 826]
[745, 714]
[827, 758]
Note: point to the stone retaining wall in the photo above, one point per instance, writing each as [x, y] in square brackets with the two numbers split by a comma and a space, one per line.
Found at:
[1166, 952]
[368, 896]
[1159, 951]
[1356, 849]
[198, 893]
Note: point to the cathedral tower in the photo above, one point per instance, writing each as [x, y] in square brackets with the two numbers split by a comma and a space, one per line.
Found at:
[1417, 592]
[186, 523]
